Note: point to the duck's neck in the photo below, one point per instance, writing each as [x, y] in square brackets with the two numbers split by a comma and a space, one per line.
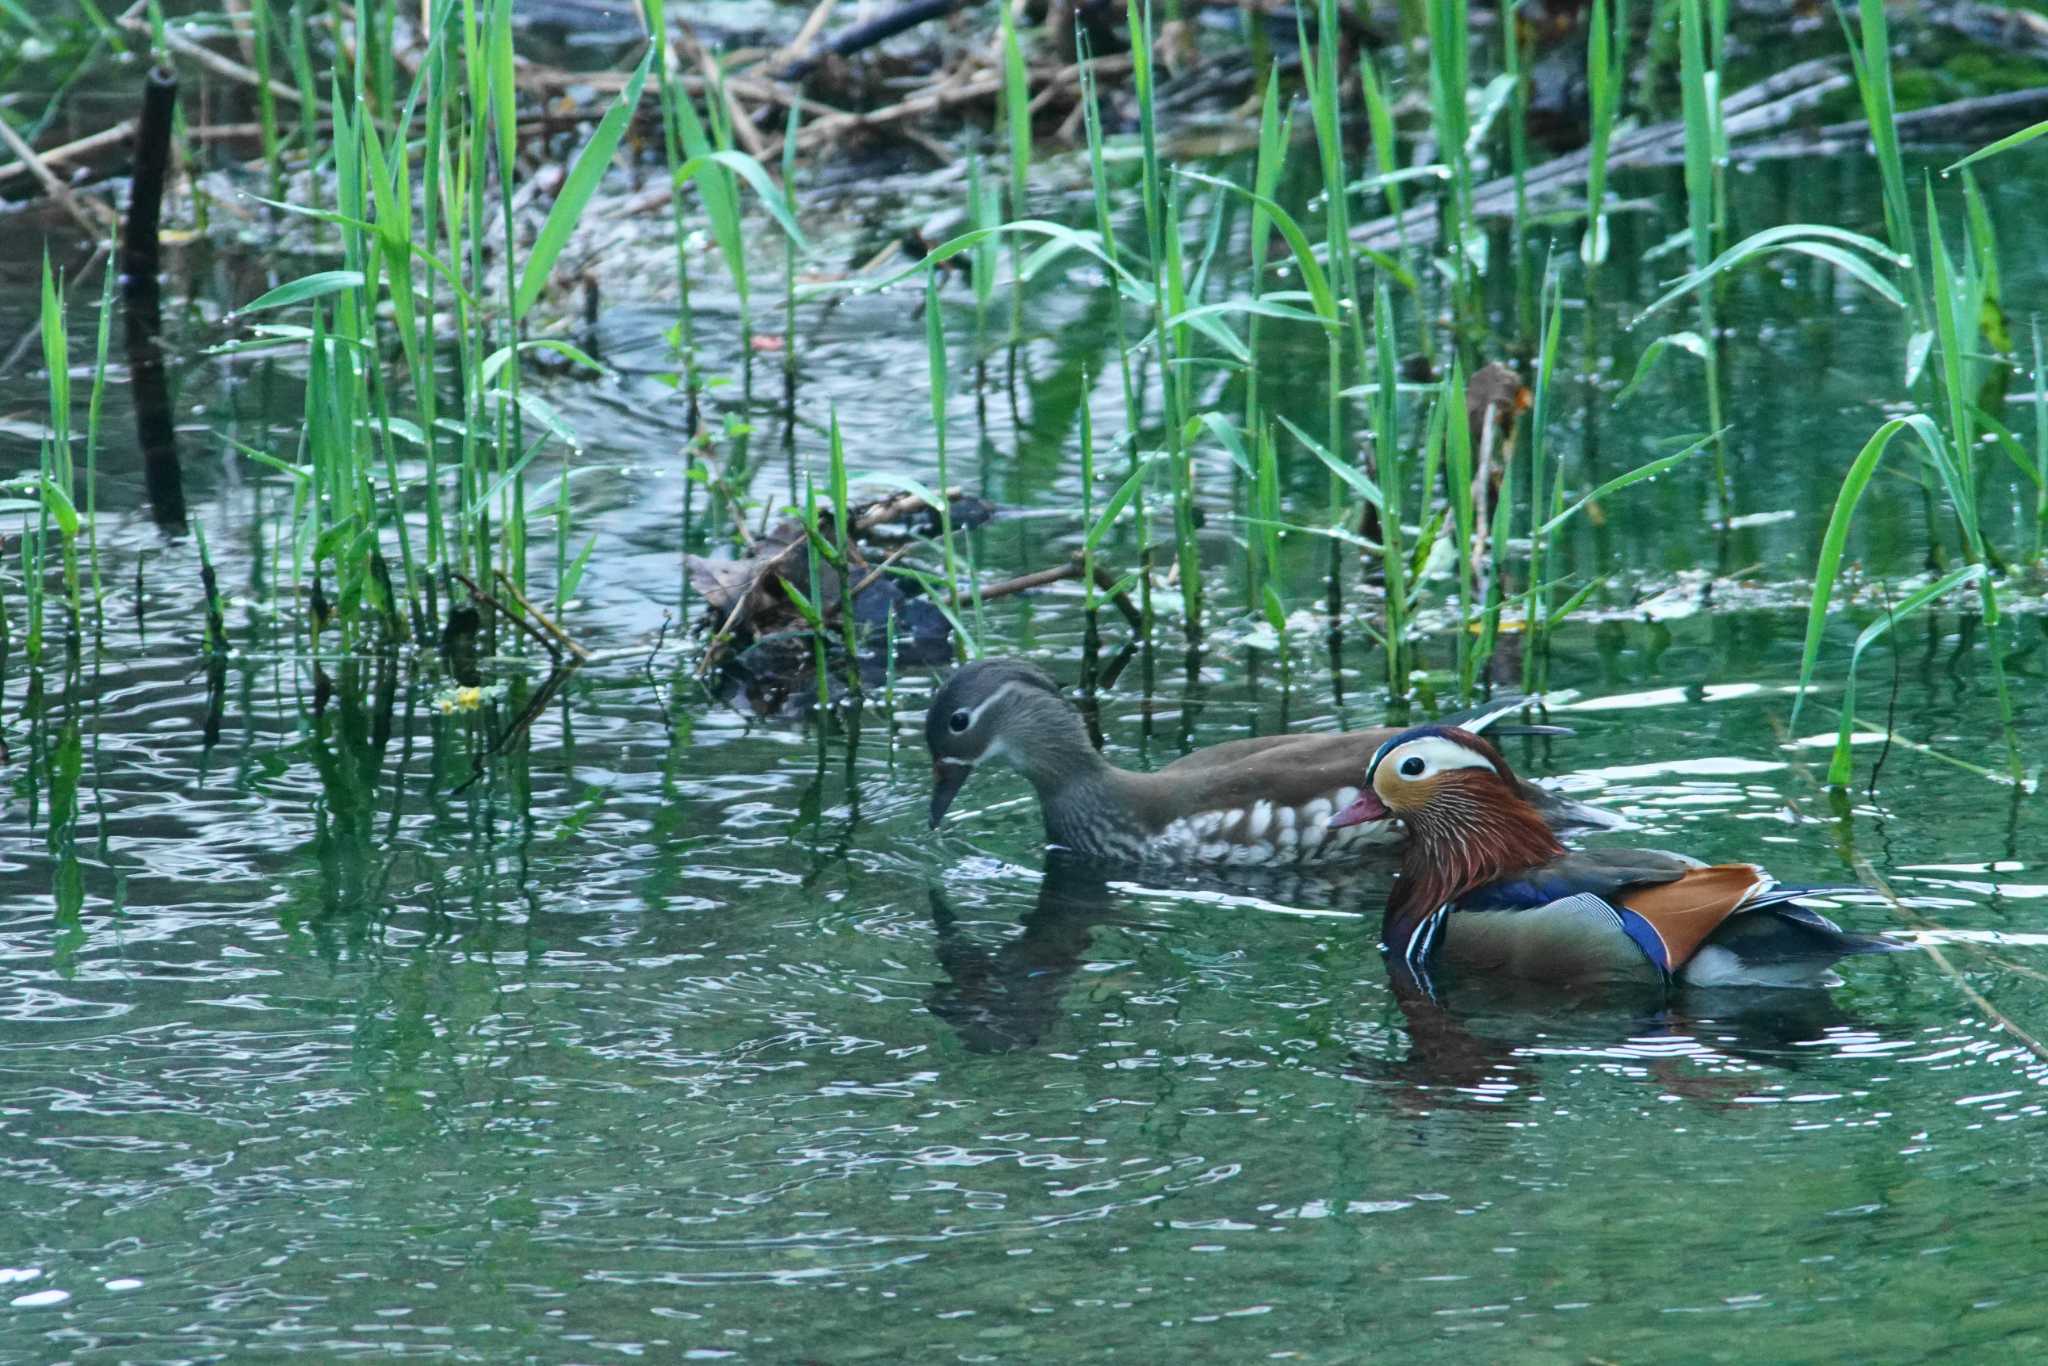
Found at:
[1049, 745]
[1467, 837]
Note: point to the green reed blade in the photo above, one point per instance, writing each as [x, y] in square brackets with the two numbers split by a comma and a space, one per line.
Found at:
[1817, 240]
[92, 427]
[1951, 292]
[1539, 448]
[1017, 124]
[1312, 277]
[1357, 479]
[1087, 439]
[1834, 540]
[936, 367]
[715, 189]
[1606, 73]
[1649, 469]
[1840, 767]
[1455, 431]
[577, 188]
[1118, 501]
[2004, 144]
[2040, 441]
[1873, 67]
[789, 255]
[1699, 132]
[1691, 343]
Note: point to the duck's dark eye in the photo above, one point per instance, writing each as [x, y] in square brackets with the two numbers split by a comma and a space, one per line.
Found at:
[1412, 766]
[960, 721]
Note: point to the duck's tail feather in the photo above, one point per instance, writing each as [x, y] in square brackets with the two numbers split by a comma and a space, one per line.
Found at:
[1776, 942]
[1482, 717]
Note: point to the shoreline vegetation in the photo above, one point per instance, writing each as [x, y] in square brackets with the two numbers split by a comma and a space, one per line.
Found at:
[1395, 202]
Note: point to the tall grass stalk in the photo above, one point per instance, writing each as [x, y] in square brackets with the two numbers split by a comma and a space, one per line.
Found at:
[1871, 59]
[261, 23]
[1105, 229]
[1701, 107]
[673, 100]
[502, 87]
[58, 474]
[1267, 505]
[1606, 74]
[1453, 428]
[1274, 132]
[1392, 479]
[1017, 123]
[1321, 65]
[1518, 154]
[1960, 297]
[1167, 285]
[1087, 441]
[2040, 442]
[789, 145]
[1386, 153]
[1535, 624]
[1449, 84]
[92, 431]
[935, 361]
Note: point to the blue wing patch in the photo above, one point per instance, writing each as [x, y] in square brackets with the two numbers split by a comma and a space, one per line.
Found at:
[1647, 939]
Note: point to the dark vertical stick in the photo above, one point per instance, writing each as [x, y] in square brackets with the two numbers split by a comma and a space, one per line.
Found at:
[139, 265]
[152, 168]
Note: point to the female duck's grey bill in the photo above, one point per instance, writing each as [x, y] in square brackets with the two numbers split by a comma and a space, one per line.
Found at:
[1368, 807]
[948, 777]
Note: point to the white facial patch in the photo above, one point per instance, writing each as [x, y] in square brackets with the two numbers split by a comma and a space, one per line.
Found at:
[1438, 755]
[974, 713]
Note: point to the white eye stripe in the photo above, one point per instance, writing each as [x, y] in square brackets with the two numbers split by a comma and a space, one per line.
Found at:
[1438, 755]
[974, 713]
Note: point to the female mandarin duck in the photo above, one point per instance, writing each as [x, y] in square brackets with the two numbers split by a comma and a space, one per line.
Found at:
[1259, 802]
[1485, 887]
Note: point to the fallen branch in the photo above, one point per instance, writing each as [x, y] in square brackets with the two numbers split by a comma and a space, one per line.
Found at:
[926, 103]
[214, 62]
[861, 36]
[1763, 107]
[1059, 573]
[56, 188]
[106, 139]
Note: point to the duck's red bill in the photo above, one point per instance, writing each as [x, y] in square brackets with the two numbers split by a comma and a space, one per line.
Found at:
[1368, 807]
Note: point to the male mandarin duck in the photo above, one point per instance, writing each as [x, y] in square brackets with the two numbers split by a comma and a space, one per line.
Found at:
[1485, 887]
[1245, 803]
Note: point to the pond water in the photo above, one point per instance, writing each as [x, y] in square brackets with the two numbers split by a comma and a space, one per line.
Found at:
[671, 1030]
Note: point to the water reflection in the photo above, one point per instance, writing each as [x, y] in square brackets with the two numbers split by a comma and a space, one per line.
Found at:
[1009, 998]
[1481, 1043]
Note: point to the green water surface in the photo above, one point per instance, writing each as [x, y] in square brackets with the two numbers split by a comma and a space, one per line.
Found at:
[676, 1033]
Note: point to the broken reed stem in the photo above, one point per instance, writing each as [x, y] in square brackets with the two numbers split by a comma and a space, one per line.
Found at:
[554, 630]
[545, 642]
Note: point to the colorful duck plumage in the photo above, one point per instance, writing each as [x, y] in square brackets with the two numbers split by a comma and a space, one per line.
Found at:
[1485, 886]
